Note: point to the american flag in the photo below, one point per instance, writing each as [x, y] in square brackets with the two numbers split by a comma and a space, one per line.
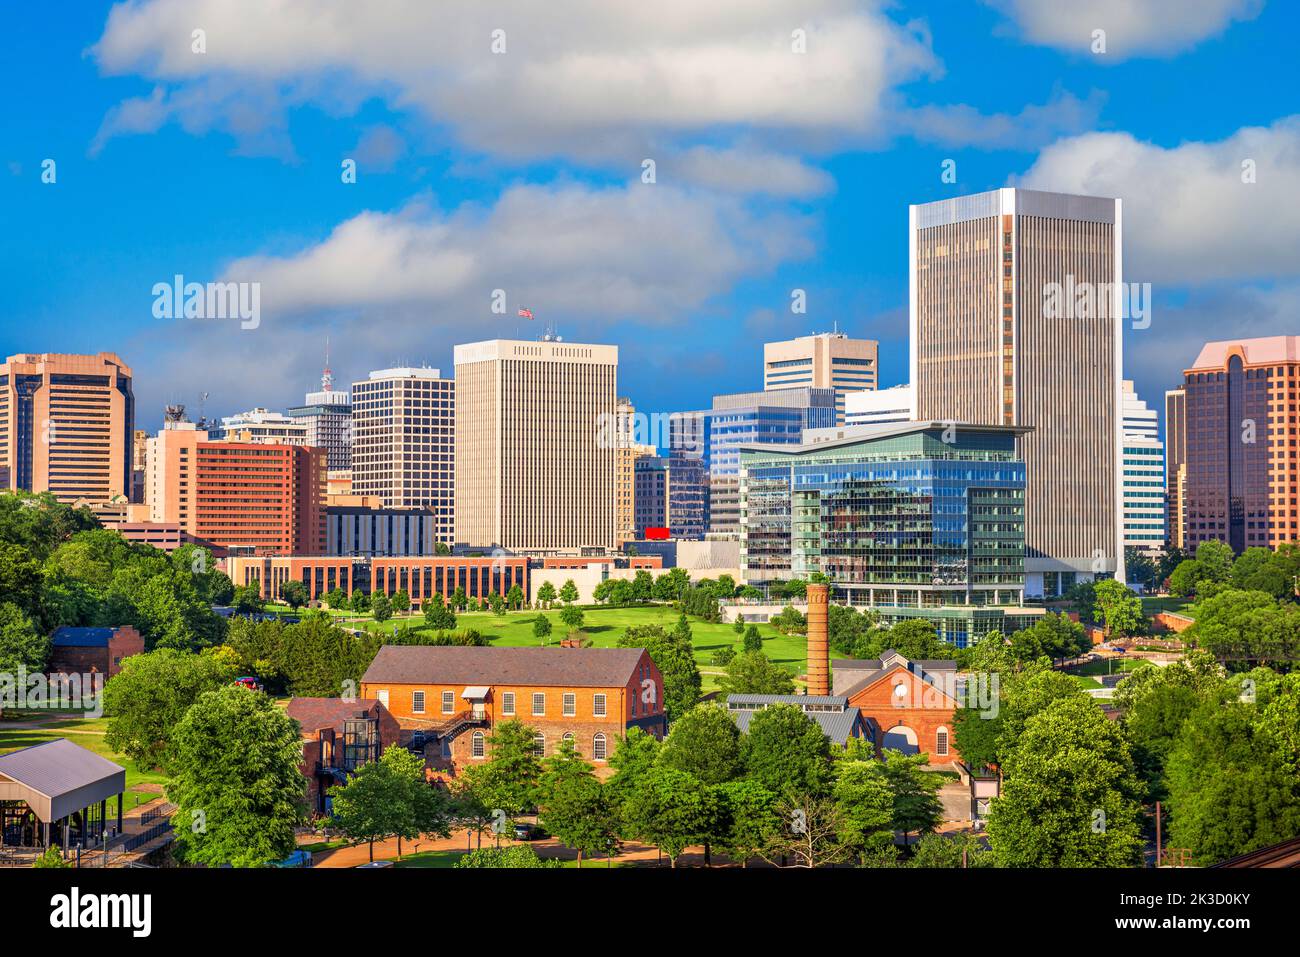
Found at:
[526, 313]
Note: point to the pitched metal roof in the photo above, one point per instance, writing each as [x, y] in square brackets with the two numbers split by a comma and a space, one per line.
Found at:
[468, 665]
[58, 777]
[838, 726]
[739, 700]
[69, 637]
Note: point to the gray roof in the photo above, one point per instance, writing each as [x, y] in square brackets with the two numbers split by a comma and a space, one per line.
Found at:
[795, 699]
[548, 667]
[58, 778]
[838, 726]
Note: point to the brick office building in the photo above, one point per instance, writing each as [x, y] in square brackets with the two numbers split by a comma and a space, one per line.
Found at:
[337, 738]
[911, 703]
[421, 576]
[459, 695]
[79, 651]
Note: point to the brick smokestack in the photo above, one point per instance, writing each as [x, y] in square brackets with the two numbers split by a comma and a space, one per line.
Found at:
[819, 649]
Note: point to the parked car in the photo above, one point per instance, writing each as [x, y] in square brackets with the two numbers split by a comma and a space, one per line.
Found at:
[529, 832]
[296, 859]
[249, 682]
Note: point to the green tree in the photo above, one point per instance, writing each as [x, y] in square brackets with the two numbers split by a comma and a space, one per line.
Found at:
[21, 646]
[518, 857]
[497, 603]
[574, 806]
[1118, 609]
[941, 850]
[675, 659]
[867, 804]
[541, 628]
[1215, 559]
[337, 599]
[1069, 794]
[1184, 578]
[917, 640]
[147, 699]
[294, 593]
[438, 615]
[786, 751]
[546, 595]
[915, 792]
[569, 593]
[739, 626]
[459, 598]
[751, 822]
[753, 639]
[402, 600]
[572, 617]
[359, 601]
[391, 798]
[672, 810]
[753, 673]
[52, 858]
[976, 733]
[508, 780]
[515, 597]
[704, 742]
[381, 607]
[235, 781]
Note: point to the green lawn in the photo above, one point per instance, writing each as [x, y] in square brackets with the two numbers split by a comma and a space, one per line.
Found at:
[1152, 605]
[604, 626]
[1111, 666]
[13, 739]
[438, 859]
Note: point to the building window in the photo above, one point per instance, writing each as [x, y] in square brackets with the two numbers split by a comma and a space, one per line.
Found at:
[477, 745]
[568, 736]
[539, 744]
[448, 702]
[598, 705]
[382, 696]
[508, 703]
[941, 742]
[570, 704]
[417, 702]
[539, 703]
[598, 746]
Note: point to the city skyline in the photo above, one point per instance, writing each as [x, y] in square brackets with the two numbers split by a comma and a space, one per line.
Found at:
[476, 205]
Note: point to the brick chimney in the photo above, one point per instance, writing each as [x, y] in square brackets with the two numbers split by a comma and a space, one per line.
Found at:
[819, 649]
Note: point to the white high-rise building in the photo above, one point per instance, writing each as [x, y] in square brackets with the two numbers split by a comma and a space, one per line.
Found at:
[536, 445]
[879, 407]
[1015, 312]
[1144, 475]
[327, 414]
[262, 425]
[404, 440]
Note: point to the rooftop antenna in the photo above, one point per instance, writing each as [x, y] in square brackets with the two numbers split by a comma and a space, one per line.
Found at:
[327, 377]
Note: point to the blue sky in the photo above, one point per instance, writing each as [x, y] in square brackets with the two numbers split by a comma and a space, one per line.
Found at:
[522, 170]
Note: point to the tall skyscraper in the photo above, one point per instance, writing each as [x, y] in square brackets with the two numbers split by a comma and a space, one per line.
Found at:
[1144, 475]
[626, 453]
[827, 360]
[745, 418]
[66, 424]
[1176, 465]
[404, 442]
[1015, 315]
[327, 414]
[253, 498]
[535, 470]
[1242, 469]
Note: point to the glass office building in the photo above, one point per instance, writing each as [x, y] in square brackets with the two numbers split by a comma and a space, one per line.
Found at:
[916, 519]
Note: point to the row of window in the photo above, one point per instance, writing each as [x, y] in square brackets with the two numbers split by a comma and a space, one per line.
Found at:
[599, 745]
[568, 708]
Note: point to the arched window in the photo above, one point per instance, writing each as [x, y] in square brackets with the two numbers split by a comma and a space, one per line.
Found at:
[476, 744]
[598, 746]
[941, 742]
[568, 736]
[539, 744]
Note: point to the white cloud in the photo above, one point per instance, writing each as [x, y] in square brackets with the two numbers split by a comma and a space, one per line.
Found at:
[647, 252]
[1133, 27]
[1188, 215]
